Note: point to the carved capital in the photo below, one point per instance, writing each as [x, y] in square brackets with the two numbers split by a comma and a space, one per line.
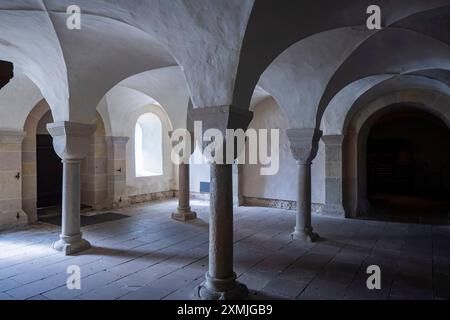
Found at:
[333, 139]
[220, 118]
[71, 139]
[304, 143]
[117, 140]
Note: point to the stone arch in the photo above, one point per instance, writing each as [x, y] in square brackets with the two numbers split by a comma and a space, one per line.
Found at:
[356, 130]
[29, 168]
[93, 190]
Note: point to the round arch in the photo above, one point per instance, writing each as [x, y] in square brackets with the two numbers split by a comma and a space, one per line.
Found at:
[94, 189]
[356, 130]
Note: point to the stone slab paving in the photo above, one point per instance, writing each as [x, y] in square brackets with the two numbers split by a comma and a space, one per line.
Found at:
[150, 256]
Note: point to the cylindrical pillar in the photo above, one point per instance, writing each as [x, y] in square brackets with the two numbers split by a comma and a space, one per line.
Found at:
[71, 240]
[220, 279]
[183, 212]
[303, 228]
[221, 223]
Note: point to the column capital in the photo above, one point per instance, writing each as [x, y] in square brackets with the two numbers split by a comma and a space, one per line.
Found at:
[222, 117]
[333, 139]
[71, 139]
[117, 140]
[304, 143]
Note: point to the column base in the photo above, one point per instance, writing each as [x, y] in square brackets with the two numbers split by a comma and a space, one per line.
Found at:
[305, 235]
[71, 245]
[184, 215]
[221, 289]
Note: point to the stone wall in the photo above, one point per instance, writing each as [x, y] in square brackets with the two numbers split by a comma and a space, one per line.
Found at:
[152, 196]
[94, 188]
[11, 213]
[117, 171]
[283, 185]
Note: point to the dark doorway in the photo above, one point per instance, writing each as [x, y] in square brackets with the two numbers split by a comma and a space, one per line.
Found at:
[49, 173]
[408, 167]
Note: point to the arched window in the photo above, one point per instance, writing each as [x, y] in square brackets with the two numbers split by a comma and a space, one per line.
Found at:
[148, 146]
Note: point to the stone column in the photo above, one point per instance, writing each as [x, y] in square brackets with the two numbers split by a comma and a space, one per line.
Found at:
[333, 175]
[117, 169]
[220, 282]
[11, 213]
[304, 145]
[183, 212]
[71, 143]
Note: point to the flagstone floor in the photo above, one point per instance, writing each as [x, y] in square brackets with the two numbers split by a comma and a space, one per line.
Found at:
[150, 256]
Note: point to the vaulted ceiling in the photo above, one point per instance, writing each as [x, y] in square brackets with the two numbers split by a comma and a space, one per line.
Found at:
[303, 53]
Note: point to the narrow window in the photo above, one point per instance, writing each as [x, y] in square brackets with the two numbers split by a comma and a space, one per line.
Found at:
[148, 146]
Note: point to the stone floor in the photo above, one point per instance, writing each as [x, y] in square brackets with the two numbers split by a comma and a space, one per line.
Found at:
[149, 256]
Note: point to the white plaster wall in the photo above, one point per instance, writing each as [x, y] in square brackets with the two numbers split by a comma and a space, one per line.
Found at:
[28, 39]
[117, 106]
[168, 87]
[365, 90]
[17, 99]
[283, 185]
[198, 172]
[291, 79]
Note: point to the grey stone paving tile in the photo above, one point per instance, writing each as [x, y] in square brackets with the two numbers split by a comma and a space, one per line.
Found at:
[112, 291]
[8, 284]
[284, 288]
[38, 287]
[89, 283]
[4, 296]
[150, 256]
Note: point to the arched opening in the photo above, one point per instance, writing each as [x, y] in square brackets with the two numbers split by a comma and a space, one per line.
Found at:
[148, 146]
[408, 166]
[49, 170]
[42, 168]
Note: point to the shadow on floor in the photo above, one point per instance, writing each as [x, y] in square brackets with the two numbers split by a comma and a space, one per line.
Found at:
[88, 220]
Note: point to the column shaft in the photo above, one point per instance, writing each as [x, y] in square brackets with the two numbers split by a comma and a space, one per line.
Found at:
[303, 221]
[220, 280]
[221, 222]
[303, 228]
[183, 190]
[71, 240]
[71, 198]
[183, 212]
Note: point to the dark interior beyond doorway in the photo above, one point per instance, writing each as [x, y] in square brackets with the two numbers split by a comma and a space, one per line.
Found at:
[408, 167]
[49, 174]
